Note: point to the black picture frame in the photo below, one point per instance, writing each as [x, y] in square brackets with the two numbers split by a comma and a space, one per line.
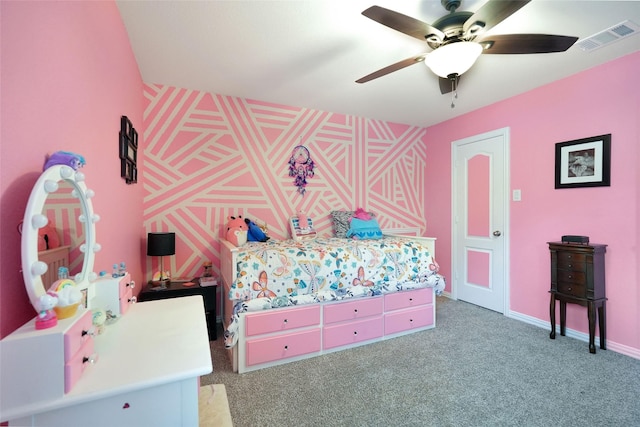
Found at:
[584, 162]
[128, 151]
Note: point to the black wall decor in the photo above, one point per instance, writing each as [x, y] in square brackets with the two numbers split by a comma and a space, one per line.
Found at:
[128, 151]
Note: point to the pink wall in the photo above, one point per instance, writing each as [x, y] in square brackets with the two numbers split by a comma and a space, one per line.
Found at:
[68, 74]
[605, 99]
[209, 156]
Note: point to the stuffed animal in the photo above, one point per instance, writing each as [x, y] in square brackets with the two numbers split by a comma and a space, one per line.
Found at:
[255, 233]
[236, 230]
[76, 161]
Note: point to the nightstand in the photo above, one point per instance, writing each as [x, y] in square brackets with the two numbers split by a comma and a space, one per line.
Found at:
[577, 277]
[177, 289]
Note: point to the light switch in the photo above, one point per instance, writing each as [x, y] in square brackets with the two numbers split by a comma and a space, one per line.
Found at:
[517, 195]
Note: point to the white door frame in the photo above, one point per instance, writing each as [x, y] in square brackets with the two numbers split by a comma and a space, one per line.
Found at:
[506, 138]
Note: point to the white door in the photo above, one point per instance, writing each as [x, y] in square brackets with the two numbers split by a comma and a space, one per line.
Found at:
[480, 219]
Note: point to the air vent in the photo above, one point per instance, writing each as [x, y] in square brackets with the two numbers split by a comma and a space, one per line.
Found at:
[610, 35]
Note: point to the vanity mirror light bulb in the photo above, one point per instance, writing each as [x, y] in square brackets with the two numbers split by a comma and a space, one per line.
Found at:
[38, 268]
[95, 218]
[66, 172]
[39, 221]
[97, 247]
[93, 276]
[89, 193]
[79, 176]
[50, 186]
[83, 248]
[82, 218]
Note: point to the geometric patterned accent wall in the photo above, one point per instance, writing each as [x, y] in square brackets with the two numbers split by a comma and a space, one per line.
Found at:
[207, 156]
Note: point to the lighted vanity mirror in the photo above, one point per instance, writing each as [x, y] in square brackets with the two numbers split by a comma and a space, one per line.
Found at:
[51, 184]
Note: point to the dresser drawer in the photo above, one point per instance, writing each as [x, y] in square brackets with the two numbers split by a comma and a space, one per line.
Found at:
[126, 285]
[571, 260]
[74, 368]
[339, 312]
[567, 276]
[408, 319]
[574, 289]
[352, 332]
[77, 335]
[264, 350]
[282, 320]
[126, 300]
[406, 299]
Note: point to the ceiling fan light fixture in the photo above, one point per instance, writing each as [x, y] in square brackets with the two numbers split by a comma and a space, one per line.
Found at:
[453, 58]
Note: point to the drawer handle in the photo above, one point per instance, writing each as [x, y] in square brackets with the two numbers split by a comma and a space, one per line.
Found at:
[570, 276]
[132, 300]
[410, 299]
[570, 266]
[131, 284]
[410, 320]
[286, 320]
[569, 289]
[355, 332]
[286, 347]
[93, 359]
[355, 311]
[90, 332]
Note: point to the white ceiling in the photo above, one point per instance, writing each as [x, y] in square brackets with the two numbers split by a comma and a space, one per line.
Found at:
[309, 53]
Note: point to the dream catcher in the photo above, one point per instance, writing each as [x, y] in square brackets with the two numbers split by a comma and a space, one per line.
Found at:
[301, 167]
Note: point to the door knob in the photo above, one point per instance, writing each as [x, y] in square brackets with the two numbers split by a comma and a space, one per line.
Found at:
[497, 233]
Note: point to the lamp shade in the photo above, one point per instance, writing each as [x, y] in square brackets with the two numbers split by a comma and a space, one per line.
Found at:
[161, 244]
[453, 58]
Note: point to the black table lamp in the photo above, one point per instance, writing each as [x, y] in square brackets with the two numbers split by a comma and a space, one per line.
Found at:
[161, 244]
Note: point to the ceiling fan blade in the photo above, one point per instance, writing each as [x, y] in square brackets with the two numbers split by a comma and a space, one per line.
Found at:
[447, 86]
[391, 68]
[526, 43]
[491, 14]
[403, 23]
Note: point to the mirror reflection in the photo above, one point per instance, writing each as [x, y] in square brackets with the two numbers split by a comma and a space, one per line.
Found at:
[59, 242]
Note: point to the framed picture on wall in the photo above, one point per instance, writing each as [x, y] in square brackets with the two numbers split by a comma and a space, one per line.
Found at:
[584, 162]
[128, 151]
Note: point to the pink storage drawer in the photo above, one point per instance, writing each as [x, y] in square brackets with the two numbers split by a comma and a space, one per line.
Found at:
[406, 299]
[264, 350]
[352, 310]
[408, 319]
[352, 332]
[77, 335]
[126, 300]
[74, 368]
[282, 320]
[125, 285]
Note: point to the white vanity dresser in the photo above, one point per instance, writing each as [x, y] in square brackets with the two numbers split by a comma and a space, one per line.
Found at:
[142, 370]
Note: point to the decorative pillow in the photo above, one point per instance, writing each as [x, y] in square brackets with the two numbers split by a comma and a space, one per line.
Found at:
[341, 223]
[361, 229]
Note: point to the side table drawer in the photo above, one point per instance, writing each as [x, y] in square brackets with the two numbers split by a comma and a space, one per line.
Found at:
[352, 332]
[283, 346]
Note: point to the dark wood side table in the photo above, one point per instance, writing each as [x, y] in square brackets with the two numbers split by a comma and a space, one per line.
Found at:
[178, 289]
[577, 277]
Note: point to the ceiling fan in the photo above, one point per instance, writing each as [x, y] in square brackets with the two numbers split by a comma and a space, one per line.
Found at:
[458, 39]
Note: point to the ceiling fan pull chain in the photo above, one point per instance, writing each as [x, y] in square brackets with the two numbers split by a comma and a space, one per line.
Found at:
[454, 92]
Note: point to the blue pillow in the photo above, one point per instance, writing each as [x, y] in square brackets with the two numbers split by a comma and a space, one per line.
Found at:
[362, 229]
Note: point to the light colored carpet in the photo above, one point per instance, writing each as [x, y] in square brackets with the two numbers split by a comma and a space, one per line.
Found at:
[213, 406]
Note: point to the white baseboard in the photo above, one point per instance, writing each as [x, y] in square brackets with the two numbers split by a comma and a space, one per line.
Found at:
[544, 324]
